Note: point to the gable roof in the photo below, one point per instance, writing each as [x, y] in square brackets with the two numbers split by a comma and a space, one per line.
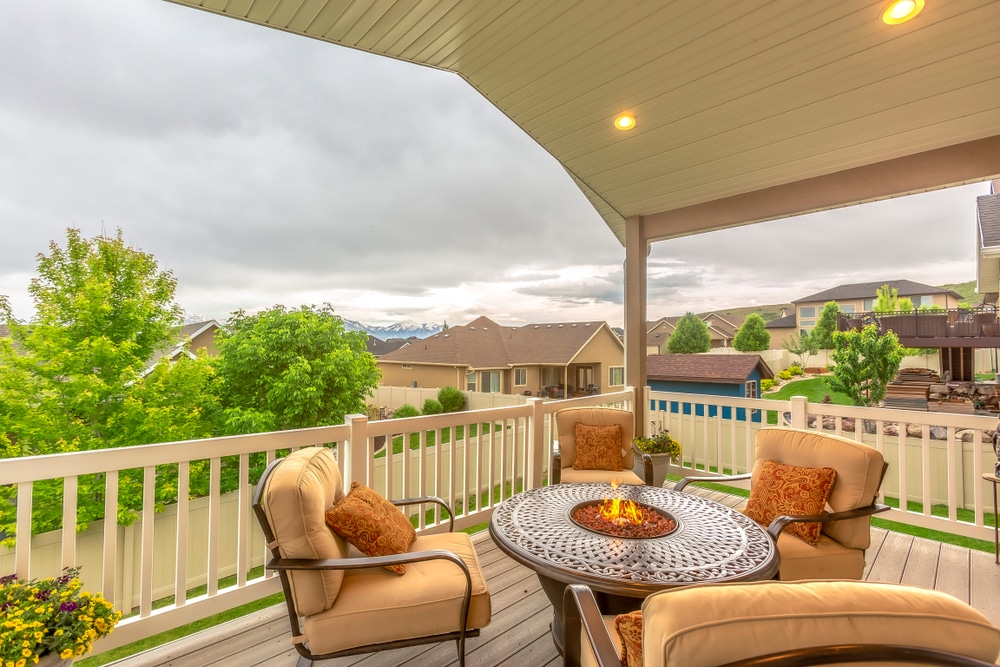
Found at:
[187, 333]
[868, 291]
[988, 253]
[378, 347]
[721, 368]
[786, 322]
[483, 343]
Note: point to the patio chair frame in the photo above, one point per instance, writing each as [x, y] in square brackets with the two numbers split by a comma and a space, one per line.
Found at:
[283, 565]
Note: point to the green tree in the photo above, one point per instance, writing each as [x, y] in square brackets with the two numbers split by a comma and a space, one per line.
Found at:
[690, 336]
[284, 369]
[432, 406]
[886, 300]
[801, 346]
[753, 336]
[826, 326]
[452, 400]
[865, 363]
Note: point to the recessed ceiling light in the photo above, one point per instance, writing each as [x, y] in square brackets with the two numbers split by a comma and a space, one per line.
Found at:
[900, 11]
[625, 122]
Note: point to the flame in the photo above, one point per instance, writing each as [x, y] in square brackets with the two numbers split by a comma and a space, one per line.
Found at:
[618, 510]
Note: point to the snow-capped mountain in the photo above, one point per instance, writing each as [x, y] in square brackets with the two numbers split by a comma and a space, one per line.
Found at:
[403, 329]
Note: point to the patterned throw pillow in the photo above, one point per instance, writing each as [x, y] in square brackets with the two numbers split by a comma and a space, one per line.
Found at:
[790, 490]
[372, 524]
[629, 627]
[598, 447]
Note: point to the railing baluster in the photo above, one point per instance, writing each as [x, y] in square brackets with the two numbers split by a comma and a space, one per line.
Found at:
[925, 468]
[69, 521]
[181, 539]
[148, 523]
[214, 525]
[111, 538]
[22, 549]
[243, 522]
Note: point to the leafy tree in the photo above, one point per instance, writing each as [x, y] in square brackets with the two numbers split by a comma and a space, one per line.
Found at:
[452, 400]
[690, 336]
[886, 300]
[801, 346]
[826, 326]
[865, 363]
[284, 369]
[752, 336]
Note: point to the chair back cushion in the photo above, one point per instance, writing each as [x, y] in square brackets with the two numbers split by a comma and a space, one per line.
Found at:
[858, 466]
[683, 626]
[299, 491]
[593, 416]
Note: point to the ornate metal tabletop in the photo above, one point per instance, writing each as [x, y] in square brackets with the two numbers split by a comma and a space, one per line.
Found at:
[712, 542]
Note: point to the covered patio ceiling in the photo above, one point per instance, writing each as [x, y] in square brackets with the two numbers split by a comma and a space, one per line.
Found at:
[745, 111]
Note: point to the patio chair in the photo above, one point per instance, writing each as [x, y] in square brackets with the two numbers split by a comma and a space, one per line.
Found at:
[348, 602]
[569, 466]
[780, 624]
[840, 539]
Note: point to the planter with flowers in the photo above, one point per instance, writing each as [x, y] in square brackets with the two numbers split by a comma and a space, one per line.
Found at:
[50, 621]
[653, 456]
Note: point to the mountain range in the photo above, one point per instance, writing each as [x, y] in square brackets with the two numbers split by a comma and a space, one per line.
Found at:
[403, 329]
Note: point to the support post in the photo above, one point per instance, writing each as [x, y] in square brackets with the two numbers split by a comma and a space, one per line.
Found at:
[355, 464]
[536, 443]
[798, 407]
[636, 250]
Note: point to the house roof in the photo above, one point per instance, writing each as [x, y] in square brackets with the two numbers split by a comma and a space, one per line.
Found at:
[378, 347]
[786, 322]
[483, 343]
[722, 368]
[988, 253]
[186, 334]
[868, 291]
[744, 111]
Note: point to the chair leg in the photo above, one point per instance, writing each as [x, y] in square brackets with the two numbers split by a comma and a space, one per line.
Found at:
[304, 662]
[460, 642]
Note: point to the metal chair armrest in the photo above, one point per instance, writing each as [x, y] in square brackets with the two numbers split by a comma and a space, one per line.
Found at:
[779, 523]
[647, 464]
[428, 499]
[555, 470]
[366, 561]
[679, 486]
[580, 612]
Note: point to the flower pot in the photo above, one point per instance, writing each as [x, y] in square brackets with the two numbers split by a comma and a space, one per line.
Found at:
[661, 464]
[53, 660]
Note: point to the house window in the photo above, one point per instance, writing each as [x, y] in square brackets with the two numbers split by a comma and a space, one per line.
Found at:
[551, 376]
[750, 389]
[868, 305]
[847, 308]
[925, 301]
[616, 376]
[407, 367]
[520, 377]
[490, 381]
[807, 312]
[470, 381]
[806, 325]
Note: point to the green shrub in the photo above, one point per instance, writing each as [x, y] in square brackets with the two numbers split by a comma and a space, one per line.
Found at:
[785, 374]
[432, 406]
[405, 410]
[451, 399]
[767, 384]
[795, 369]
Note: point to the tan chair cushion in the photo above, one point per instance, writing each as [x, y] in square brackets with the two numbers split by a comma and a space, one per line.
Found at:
[858, 466]
[597, 447]
[826, 559]
[597, 416]
[790, 490]
[683, 626]
[299, 492]
[377, 606]
[372, 524]
[571, 476]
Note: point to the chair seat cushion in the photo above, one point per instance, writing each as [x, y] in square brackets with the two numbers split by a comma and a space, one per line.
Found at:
[376, 606]
[684, 626]
[572, 476]
[827, 559]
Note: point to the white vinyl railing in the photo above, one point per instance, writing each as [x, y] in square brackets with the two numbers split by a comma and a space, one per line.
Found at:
[936, 460]
[472, 459]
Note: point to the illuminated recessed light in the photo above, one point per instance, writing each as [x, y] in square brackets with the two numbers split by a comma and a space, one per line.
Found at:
[625, 122]
[900, 11]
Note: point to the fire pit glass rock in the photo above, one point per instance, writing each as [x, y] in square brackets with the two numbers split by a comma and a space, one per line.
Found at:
[617, 517]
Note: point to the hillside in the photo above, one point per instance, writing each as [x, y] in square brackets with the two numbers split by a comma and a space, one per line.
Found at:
[970, 298]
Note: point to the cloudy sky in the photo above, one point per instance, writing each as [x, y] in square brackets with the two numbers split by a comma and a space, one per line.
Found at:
[263, 168]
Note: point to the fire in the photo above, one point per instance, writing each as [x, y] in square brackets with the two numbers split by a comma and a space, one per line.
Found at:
[620, 511]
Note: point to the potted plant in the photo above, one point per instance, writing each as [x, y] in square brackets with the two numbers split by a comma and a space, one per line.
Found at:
[51, 621]
[661, 449]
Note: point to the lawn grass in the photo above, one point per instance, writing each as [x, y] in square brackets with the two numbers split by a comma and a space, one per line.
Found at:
[815, 389]
[397, 441]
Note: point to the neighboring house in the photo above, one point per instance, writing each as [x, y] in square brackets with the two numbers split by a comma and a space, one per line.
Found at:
[191, 339]
[737, 375]
[782, 329]
[861, 297]
[721, 328]
[377, 347]
[533, 359]
[988, 244]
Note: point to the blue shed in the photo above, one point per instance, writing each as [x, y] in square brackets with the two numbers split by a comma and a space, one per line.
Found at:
[736, 375]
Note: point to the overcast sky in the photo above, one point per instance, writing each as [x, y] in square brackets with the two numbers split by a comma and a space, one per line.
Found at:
[263, 168]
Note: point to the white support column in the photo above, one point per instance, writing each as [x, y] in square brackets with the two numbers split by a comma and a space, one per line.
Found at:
[355, 464]
[635, 311]
[798, 407]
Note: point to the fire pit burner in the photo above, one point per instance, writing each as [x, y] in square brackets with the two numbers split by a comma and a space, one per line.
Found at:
[625, 518]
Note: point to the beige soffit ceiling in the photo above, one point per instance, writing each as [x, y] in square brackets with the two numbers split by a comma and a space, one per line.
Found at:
[745, 111]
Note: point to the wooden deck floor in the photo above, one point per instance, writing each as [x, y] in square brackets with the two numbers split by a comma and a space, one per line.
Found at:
[519, 632]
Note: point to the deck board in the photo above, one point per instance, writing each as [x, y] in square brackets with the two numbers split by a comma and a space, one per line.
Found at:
[519, 632]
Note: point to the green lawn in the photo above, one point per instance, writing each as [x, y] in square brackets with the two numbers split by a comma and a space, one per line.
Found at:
[814, 389]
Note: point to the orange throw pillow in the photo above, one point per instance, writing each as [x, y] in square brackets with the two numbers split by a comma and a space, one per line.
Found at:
[598, 447]
[629, 627]
[790, 490]
[372, 524]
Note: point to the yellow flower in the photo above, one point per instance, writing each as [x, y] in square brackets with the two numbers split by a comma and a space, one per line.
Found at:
[26, 652]
[66, 653]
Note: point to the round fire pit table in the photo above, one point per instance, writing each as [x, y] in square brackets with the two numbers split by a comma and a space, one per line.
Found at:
[711, 542]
